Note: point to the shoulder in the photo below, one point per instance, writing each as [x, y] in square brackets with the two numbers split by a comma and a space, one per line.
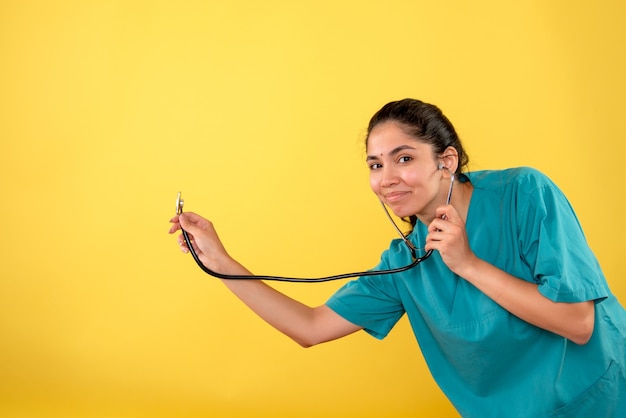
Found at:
[524, 179]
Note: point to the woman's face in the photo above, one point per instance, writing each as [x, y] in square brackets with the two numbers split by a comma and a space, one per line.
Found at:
[403, 172]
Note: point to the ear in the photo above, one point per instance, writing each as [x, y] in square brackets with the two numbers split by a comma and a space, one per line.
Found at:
[449, 159]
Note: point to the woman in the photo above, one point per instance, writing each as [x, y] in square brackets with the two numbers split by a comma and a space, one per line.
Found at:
[512, 311]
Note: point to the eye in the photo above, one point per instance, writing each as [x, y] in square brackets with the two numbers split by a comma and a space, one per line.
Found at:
[405, 159]
[375, 166]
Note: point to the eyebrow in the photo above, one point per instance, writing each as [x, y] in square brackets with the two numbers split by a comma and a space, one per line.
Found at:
[392, 152]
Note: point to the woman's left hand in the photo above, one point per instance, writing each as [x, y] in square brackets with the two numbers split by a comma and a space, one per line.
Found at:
[447, 235]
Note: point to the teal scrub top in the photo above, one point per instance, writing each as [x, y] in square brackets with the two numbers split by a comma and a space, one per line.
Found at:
[488, 362]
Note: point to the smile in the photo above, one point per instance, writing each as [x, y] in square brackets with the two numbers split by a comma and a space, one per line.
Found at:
[394, 196]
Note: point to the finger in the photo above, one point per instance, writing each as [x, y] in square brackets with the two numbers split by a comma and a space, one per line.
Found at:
[448, 212]
[174, 228]
[431, 244]
[443, 212]
[182, 244]
[191, 246]
[175, 224]
[437, 225]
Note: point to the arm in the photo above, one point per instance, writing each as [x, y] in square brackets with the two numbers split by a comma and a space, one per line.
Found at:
[574, 321]
[305, 325]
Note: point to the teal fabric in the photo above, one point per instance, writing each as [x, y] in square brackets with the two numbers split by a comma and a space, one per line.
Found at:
[488, 362]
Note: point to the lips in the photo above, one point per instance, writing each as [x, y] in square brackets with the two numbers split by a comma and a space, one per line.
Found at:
[394, 196]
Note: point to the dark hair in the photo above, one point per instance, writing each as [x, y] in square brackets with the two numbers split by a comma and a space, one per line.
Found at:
[425, 122]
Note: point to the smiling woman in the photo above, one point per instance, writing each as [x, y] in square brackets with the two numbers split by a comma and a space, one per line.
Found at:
[511, 285]
[257, 111]
[402, 174]
[389, 138]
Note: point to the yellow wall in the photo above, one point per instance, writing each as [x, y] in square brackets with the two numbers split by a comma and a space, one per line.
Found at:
[256, 112]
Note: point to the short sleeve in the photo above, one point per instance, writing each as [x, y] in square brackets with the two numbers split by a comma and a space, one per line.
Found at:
[371, 302]
[554, 246]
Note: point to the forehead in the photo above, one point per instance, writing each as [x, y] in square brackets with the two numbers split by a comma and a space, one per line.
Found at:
[388, 136]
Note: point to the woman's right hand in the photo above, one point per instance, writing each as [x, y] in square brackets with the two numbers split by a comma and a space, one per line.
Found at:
[203, 237]
[305, 325]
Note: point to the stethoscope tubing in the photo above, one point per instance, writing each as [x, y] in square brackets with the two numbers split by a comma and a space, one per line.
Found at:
[415, 262]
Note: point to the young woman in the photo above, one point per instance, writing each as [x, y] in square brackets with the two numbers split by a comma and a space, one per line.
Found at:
[512, 311]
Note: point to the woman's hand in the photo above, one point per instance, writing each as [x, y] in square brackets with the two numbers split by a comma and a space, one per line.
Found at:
[447, 235]
[203, 237]
[305, 325]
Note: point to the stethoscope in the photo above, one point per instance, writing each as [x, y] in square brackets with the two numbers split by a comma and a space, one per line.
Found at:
[416, 260]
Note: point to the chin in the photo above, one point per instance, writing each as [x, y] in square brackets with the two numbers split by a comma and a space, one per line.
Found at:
[402, 213]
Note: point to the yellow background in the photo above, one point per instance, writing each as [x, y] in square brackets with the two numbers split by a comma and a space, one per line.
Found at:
[256, 111]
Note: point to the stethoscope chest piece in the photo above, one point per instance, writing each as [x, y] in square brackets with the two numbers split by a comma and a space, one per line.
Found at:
[179, 204]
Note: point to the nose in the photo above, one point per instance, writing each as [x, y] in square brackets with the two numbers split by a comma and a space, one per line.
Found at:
[388, 177]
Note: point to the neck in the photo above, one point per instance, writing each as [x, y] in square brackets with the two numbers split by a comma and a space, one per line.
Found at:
[459, 194]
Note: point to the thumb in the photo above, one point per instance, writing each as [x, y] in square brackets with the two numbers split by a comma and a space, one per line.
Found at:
[185, 223]
[192, 223]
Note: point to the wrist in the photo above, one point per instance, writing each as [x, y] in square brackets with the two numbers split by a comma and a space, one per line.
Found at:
[228, 265]
[469, 269]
